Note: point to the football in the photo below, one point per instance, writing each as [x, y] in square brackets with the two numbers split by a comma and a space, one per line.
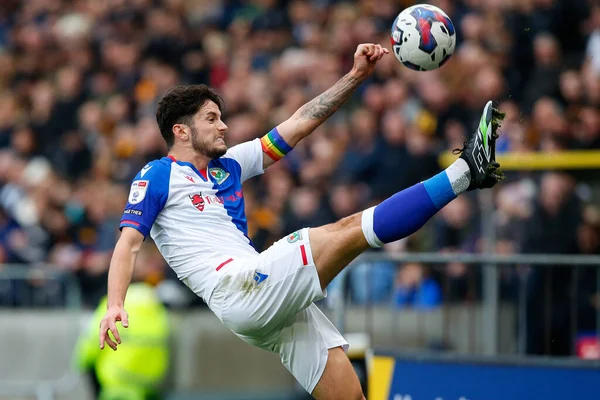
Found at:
[423, 37]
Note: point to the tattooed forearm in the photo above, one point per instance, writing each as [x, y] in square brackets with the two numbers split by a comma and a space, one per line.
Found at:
[321, 107]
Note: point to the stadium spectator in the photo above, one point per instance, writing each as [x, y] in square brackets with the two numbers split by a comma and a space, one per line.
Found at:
[551, 229]
[456, 232]
[415, 288]
[138, 369]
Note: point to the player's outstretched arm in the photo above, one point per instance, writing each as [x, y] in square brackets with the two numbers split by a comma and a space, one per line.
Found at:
[119, 277]
[315, 112]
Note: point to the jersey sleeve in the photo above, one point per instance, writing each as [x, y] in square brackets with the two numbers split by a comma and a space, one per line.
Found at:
[249, 156]
[147, 197]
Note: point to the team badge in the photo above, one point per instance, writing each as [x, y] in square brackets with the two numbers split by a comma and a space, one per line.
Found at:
[294, 237]
[197, 201]
[138, 191]
[219, 174]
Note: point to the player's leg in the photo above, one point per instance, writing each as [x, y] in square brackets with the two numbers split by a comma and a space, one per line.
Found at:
[339, 380]
[312, 349]
[335, 245]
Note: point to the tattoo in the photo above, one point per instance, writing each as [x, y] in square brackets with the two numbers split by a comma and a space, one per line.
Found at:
[321, 107]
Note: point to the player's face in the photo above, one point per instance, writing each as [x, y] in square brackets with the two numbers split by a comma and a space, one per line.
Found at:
[208, 131]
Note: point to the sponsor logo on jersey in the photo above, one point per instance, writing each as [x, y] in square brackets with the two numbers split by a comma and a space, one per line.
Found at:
[294, 237]
[134, 212]
[234, 197]
[200, 200]
[219, 174]
[197, 201]
[138, 191]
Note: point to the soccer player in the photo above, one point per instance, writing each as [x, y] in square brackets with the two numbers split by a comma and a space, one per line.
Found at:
[191, 203]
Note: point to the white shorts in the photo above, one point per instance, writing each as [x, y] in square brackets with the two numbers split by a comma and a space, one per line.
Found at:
[268, 302]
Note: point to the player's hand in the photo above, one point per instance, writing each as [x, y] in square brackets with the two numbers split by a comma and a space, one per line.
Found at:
[109, 323]
[366, 57]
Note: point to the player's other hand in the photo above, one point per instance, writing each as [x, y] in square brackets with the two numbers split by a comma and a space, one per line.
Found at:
[366, 56]
[109, 323]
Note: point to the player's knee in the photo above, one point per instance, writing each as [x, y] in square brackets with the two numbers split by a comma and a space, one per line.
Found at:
[353, 220]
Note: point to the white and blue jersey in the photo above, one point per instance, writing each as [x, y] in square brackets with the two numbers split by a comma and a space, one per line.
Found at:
[196, 218]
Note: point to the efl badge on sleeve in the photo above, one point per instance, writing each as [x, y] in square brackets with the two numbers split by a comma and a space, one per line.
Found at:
[138, 191]
[294, 237]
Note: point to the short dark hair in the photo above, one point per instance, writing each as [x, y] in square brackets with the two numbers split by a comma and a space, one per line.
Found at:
[178, 106]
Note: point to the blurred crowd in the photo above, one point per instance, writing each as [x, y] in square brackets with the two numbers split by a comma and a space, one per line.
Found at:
[80, 79]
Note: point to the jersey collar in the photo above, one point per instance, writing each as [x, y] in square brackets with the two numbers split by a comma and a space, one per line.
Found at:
[203, 173]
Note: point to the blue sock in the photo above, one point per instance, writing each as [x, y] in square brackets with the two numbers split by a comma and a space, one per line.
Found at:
[407, 211]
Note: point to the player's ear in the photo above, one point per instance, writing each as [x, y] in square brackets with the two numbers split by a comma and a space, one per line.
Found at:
[181, 131]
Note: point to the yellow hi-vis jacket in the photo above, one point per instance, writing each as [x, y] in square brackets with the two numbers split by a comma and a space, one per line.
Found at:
[141, 361]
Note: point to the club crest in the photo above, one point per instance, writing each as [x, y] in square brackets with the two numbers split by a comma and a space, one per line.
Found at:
[219, 174]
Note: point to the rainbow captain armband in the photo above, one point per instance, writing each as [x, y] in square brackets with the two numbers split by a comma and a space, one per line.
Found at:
[274, 145]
